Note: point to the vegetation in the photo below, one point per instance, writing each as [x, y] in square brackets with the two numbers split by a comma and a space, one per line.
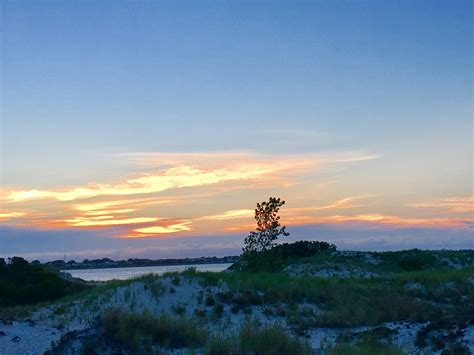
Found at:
[144, 333]
[316, 286]
[354, 301]
[268, 227]
[303, 249]
[22, 283]
[259, 252]
[271, 339]
[138, 333]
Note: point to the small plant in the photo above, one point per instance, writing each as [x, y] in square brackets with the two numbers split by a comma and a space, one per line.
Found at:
[210, 301]
[222, 345]
[200, 313]
[136, 333]
[218, 310]
[61, 309]
[179, 309]
[127, 293]
[225, 296]
[175, 280]
[270, 340]
[200, 296]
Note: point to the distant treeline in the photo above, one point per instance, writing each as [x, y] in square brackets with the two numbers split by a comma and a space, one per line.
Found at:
[133, 262]
[23, 283]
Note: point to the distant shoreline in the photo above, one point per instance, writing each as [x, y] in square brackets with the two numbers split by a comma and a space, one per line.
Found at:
[106, 263]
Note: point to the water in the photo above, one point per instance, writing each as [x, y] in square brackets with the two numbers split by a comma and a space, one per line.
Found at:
[124, 273]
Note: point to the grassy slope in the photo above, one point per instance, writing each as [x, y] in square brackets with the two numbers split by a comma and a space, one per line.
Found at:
[409, 286]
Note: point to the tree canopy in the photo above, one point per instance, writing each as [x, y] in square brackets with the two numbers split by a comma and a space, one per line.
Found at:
[268, 226]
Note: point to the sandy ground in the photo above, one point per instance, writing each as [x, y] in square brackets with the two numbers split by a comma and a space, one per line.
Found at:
[47, 325]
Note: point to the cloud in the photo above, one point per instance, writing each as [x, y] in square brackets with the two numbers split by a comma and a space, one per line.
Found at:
[344, 203]
[106, 221]
[153, 231]
[178, 177]
[5, 216]
[449, 205]
[341, 204]
[210, 174]
[233, 214]
[394, 221]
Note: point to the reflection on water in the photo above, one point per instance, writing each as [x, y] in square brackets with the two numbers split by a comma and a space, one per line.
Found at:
[124, 273]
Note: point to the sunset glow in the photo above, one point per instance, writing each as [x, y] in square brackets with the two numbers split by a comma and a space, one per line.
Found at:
[126, 133]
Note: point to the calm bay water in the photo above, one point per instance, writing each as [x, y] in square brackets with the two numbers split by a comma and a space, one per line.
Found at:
[124, 273]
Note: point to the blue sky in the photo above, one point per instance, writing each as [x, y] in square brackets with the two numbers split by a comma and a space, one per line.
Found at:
[376, 95]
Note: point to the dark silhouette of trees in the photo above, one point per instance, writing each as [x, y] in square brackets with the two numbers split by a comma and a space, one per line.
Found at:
[24, 283]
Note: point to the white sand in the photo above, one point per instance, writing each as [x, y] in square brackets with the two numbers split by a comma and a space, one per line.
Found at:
[137, 297]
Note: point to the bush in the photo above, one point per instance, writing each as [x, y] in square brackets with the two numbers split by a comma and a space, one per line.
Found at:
[22, 283]
[136, 333]
[416, 260]
[270, 340]
[220, 345]
[303, 249]
[275, 259]
[218, 310]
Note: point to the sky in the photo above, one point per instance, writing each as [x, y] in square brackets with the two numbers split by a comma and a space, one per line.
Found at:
[152, 128]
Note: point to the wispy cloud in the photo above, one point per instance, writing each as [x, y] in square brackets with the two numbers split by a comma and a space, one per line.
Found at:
[5, 216]
[102, 221]
[449, 205]
[342, 204]
[205, 175]
[233, 214]
[153, 231]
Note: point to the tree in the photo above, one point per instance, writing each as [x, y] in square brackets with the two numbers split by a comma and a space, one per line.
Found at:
[268, 227]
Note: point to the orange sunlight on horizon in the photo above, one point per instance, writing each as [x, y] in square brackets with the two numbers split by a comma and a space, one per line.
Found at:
[216, 193]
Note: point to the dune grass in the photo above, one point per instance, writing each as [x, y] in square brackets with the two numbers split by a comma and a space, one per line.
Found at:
[356, 301]
[146, 333]
[139, 332]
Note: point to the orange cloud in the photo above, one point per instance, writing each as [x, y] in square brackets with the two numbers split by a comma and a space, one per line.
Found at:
[150, 183]
[105, 212]
[86, 207]
[104, 204]
[106, 221]
[5, 216]
[194, 169]
[153, 231]
[381, 219]
[344, 203]
[450, 205]
[234, 214]
[297, 216]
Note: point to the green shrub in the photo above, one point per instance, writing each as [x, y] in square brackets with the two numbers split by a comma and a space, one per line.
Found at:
[210, 301]
[179, 309]
[22, 283]
[303, 249]
[270, 340]
[221, 345]
[218, 310]
[200, 313]
[416, 259]
[275, 259]
[362, 349]
[136, 333]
